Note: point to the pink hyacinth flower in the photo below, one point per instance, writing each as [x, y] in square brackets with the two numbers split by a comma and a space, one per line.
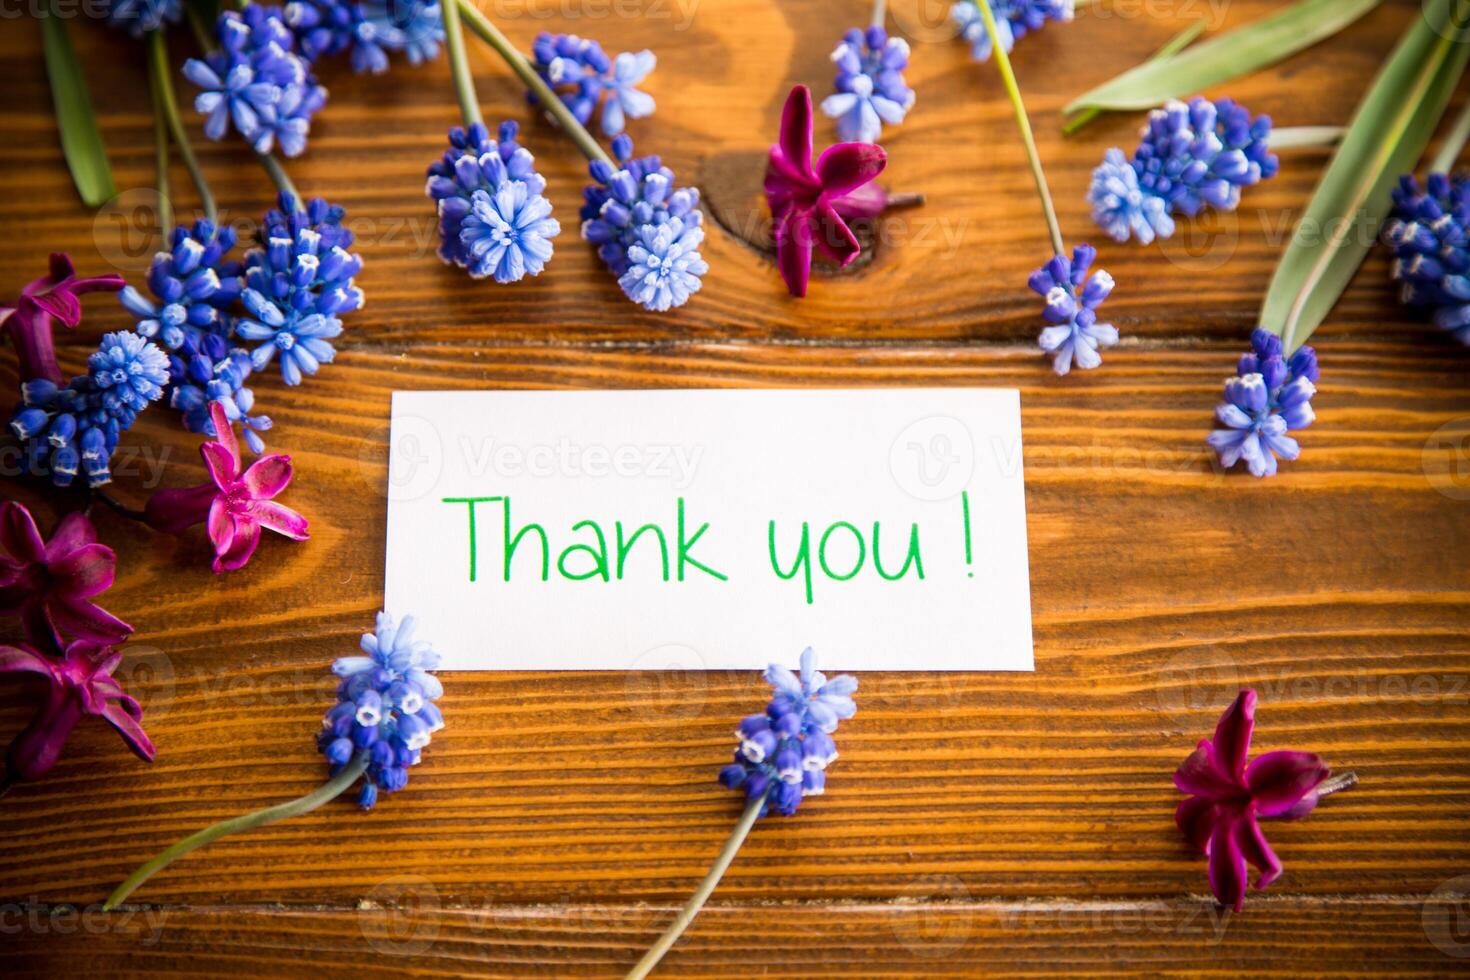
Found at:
[812, 205]
[53, 295]
[1228, 797]
[81, 683]
[49, 584]
[235, 505]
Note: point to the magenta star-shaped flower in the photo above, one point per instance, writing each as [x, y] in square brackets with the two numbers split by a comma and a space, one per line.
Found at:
[811, 205]
[1228, 798]
[237, 502]
[49, 584]
[80, 683]
[53, 295]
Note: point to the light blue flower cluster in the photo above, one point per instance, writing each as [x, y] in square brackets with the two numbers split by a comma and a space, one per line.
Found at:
[257, 82]
[296, 287]
[367, 31]
[1072, 299]
[139, 17]
[784, 753]
[385, 707]
[1270, 396]
[646, 231]
[583, 75]
[1192, 156]
[1427, 232]
[1014, 19]
[218, 374]
[76, 427]
[870, 86]
[493, 219]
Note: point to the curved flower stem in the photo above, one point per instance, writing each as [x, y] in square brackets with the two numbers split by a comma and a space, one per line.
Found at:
[278, 176]
[118, 506]
[548, 99]
[328, 791]
[459, 66]
[1023, 122]
[201, 30]
[164, 86]
[160, 162]
[1304, 137]
[1454, 142]
[702, 893]
[1176, 44]
[880, 12]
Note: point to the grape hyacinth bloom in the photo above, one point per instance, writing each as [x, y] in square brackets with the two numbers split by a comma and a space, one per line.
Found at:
[784, 753]
[1192, 156]
[77, 426]
[367, 30]
[1072, 298]
[1014, 19]
[1270, 396]
[810, 204]
[385, 707]
[28, 320]
[235, 504]
[1227, 799]
[257, 82]
[647, 232]
[79, 683]
[138, 17]
[582, 74]
[218, 377]
[297, 285]
[508, 235]
[870, 86]
[1427, 232]
[50, 585]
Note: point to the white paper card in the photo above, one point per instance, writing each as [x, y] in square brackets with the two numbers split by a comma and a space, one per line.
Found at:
[885, 527]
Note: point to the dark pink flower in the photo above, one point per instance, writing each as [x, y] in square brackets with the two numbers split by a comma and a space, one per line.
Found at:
[236, 505]
[48, 584]
[81, 683]
[53, 295]
[1228, 797]
[811, 205]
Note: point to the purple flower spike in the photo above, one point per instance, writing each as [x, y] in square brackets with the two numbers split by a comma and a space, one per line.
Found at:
[1072, 299]
[1227, 797]
[55, 294]
[1270, 396]
[50, 584]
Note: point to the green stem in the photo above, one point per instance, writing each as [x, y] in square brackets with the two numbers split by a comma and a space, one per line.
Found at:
[328, 791]
[278, 176]
[1013, 91]
[159, 72]
[160, 162]
[490, 34]
[1304, 137]
[1176, 44]
[459, 66]
[1454, 142]
[880, 12]
[702, 893]
[202, 31]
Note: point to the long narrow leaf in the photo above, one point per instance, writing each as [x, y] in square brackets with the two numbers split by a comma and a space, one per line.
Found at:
[1388, 134]
[1230, 55]
[81, 141]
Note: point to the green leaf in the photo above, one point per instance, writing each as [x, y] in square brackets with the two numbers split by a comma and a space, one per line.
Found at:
[81, 141]
[1238, 52]
[1388, 134]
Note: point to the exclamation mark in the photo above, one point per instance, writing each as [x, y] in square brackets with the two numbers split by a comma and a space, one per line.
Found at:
[969, 549]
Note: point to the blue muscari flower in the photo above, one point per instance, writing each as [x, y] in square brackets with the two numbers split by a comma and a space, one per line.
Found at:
[476, 165]
[582, 73]
[1072, 299]
[634, 215]
[257, 82]
[1014, 19]
[508, 234]
[141, 16]
[870, 85]
[1192, 156]
[385, 707]
[76, 427]
[1270, 396]
[787, 749]
[297, 283]
[1427, 232]
[219, 376]
[367, 30]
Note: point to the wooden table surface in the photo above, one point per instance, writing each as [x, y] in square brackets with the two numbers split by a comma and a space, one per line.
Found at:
[976, 822]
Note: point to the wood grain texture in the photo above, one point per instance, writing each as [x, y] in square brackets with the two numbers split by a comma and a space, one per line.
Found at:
[976, 823]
